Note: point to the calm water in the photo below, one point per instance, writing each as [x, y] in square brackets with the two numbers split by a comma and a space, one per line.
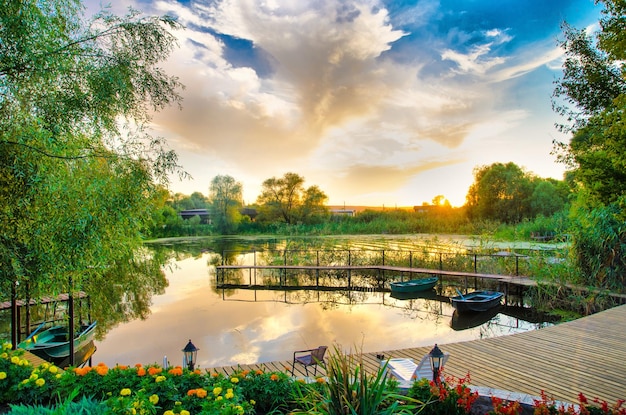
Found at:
[244, 326]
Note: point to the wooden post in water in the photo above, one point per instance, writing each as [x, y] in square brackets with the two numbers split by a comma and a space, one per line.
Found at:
[15, 321]
[70, 305]
[317, 270]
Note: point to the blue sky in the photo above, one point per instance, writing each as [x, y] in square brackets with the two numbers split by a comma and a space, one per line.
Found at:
[376, 102]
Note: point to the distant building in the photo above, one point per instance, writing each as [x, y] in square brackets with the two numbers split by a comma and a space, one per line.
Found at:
[342, 212]
[204, 215]
[249, 212]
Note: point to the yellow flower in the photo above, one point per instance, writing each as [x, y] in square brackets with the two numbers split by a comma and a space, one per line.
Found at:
[40, 382]
[125, 392]
[3, 375]
[23, 362]
[219, 398]
[6, 346]
[4, 355]
[53, 369]
[58, 376]
[252, 402]
[154, 399]
[184, 412]
[44, 365]
[168, 412]
[239, 409]
[229, 395]
[33, 376]
[15, 360]
[234, 380]
[217, 391]
[133, 411]
[160, 378]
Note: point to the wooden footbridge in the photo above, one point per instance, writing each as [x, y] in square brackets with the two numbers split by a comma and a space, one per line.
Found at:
[586, 356]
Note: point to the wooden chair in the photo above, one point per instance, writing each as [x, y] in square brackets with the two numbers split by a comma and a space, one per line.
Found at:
[310, 357]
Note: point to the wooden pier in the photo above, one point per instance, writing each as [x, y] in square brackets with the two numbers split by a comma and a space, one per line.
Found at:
[586, 356]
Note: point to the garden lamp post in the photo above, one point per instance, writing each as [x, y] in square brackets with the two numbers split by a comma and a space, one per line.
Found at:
[190, 353]
[436, 359]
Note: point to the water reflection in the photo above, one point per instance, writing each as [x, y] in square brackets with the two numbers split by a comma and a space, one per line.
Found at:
[234, 326]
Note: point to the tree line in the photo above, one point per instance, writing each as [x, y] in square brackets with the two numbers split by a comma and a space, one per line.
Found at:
[500, 193]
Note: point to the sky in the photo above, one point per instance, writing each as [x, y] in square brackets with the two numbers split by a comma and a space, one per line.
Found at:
[378, 103]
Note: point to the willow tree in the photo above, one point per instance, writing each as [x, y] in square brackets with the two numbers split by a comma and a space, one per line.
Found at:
[78, 171]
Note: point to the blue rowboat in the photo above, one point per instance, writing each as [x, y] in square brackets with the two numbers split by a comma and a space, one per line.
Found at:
[476, 301]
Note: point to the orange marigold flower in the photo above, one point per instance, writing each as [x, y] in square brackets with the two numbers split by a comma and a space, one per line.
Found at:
[197, 372]
[101, 364]
[320, 380]
[176, 371]
[215, 374]
[122, 367]
[154, 371]
[274, 377]
[245, 373]
[201, 393]
[102, 370]
[259, 372]
[141, 371]
[138, 365]
[191, 392]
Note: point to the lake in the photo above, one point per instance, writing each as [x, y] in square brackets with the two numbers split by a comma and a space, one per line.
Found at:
[247, 326]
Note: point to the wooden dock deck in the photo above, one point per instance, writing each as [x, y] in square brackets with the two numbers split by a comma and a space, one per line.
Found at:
[587, 355]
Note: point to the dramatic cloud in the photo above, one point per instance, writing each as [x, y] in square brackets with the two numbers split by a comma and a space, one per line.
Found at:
[359, 97]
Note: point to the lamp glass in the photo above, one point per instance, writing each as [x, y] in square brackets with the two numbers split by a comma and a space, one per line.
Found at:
[191, 352]
[436, 357]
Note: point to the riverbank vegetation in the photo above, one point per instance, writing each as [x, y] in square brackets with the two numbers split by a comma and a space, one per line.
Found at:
[153, 389]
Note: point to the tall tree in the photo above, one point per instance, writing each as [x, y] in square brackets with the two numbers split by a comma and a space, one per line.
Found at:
[225, 197]
[500, 192]
[78, 171]
[285, 199]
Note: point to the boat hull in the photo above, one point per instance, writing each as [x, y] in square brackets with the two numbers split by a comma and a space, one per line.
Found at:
[52, 344]
[476, 301]
[413, 286]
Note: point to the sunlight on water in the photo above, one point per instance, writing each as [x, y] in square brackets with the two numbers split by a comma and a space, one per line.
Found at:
[245, 326]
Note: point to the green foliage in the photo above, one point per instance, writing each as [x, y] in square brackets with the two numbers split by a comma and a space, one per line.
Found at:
[84, 406]
[78, 173]
[505, 193]
[286, 200]
[271, 392]
[351, 390]
[225, 196]
[599, 245]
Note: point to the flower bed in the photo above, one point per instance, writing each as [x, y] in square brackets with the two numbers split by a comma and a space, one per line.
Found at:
[156, 390]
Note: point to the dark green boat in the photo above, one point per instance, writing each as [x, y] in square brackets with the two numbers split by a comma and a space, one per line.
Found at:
[413, 286]
[53, 344]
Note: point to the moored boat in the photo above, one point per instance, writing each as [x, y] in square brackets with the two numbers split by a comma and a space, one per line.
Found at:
[53, 344]
[412, 286]
[476, 301]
